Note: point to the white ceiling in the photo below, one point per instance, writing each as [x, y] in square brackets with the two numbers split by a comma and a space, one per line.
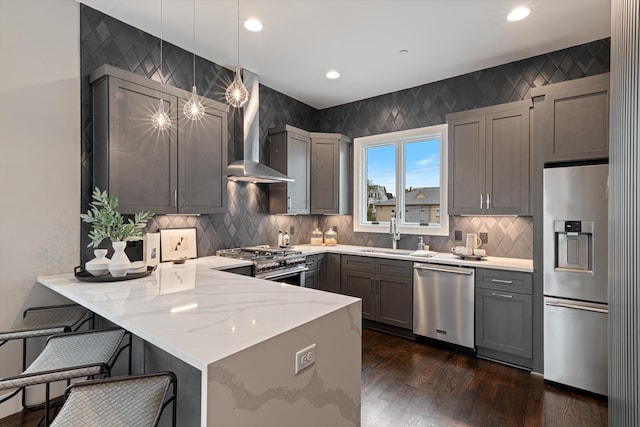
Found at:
[303, 39]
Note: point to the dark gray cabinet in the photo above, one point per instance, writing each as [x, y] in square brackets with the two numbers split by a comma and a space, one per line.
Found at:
[489, 167]
[179, 170]
[331, 173]
[576, 118]
[504, 316]
[331, 272]
[385, 287]
[315, 277]
[290, 153]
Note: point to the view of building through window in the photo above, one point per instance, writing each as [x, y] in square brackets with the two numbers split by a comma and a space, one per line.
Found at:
[420, 177]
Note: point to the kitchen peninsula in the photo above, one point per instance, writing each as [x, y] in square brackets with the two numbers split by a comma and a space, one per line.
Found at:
[241, 336]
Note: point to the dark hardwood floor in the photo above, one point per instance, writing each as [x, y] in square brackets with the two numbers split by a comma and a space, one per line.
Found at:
[407, 383]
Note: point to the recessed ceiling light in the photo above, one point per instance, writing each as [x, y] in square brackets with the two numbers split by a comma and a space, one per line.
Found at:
[253, 25]
[518, 14]
[333, 74]
[403, 52]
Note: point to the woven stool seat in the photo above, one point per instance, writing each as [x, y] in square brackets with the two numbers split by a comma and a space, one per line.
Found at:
[68, 356]
[121, 401]
[45, 321]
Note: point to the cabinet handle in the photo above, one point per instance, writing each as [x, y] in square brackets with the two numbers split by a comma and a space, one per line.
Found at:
[493, 294]
[507, 282]
[481, 200]
[288, 203]
[174, 199]
[488, 201]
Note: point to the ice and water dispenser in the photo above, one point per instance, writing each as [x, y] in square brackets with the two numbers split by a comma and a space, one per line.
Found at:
[574, 246]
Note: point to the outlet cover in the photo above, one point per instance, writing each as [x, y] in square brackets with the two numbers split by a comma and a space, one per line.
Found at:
[305, 358]
[291, 230]
[484, 237]
[457, 235]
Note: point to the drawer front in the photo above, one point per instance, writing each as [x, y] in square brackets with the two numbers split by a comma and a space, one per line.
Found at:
[358, 263]
[502, 280]
[394, 267]
[312, 262]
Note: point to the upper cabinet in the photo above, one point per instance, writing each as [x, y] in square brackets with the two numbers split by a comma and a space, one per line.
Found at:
[178, 170]
[331, 173]
[290, 153]
[489, 166]
[576, 118]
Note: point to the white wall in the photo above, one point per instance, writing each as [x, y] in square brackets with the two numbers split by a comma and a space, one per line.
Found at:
[39, 157]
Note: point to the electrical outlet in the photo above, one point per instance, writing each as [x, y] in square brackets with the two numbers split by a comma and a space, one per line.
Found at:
[457, 235]
[291, 230]
[484, 237]
[305, 358]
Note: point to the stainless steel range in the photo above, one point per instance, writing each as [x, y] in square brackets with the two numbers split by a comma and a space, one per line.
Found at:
[283, 265]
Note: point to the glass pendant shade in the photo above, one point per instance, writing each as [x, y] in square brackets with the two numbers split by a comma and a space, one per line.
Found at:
[160, 119]
[193, 109]
[237, 94]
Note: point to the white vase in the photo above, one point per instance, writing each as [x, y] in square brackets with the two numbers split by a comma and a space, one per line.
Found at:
[99, 266]
[119, 264]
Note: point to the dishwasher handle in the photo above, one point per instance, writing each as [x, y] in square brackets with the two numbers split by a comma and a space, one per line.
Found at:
[440, 269]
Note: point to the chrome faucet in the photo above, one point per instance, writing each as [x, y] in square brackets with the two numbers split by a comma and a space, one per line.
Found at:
[393, 229]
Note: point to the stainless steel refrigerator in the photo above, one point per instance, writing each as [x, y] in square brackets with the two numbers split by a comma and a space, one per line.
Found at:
[575, 276]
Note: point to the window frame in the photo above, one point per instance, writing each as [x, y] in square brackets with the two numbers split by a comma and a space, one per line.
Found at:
[398, 139]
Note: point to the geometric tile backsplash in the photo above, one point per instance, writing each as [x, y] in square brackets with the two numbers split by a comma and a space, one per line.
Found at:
[247, 221]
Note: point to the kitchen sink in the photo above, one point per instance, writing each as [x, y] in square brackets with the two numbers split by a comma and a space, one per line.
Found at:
[386, 251]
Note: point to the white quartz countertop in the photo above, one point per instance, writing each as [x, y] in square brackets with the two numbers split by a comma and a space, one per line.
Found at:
[197, 313]
[500, 263]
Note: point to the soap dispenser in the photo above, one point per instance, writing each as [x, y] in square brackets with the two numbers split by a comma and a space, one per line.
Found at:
[280, 239]
[421, 244]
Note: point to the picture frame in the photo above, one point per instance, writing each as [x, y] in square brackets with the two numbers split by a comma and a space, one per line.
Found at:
[151, 245]
[178, 243]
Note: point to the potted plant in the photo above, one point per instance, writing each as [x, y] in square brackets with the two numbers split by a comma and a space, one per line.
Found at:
[108, 223]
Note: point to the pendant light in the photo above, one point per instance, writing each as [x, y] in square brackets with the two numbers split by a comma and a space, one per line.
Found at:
[193, 109]
[237, 94]
[160, 119]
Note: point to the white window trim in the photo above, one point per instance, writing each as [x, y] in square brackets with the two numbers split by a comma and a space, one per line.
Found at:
[360, 195]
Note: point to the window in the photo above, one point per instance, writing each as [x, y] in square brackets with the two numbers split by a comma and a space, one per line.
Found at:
[402, 175]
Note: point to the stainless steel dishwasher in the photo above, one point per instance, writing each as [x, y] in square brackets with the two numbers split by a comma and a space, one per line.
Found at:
[443, 303]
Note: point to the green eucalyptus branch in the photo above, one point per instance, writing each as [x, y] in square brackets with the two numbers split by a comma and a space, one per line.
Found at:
[108, 223]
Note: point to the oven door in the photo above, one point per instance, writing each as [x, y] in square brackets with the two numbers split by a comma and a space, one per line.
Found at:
[290, 277]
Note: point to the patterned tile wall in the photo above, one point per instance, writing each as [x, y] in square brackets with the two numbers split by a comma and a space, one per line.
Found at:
[428, 104]
[105, 40]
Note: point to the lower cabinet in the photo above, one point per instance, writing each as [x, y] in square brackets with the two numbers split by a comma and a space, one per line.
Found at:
[323, 273]
[385, 287]
[504, 316]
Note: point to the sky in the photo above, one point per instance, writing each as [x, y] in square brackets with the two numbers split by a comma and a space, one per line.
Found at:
[422, 165]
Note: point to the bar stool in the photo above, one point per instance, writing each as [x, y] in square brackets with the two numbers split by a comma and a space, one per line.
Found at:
[68, 356]
[43, 322]
[137, 400]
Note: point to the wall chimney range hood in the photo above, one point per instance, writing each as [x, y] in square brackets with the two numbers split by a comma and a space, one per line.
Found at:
[250, 169]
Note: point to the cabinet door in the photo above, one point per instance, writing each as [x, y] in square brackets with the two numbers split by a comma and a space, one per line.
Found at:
[359, 284]
[291, 154]
[202, 162]
[466, 164]
[332, 276]
[394, 300]
[311, 279]
[325, 176]
[507, 163]
[132, 160]
[577, 119]
[503, 322]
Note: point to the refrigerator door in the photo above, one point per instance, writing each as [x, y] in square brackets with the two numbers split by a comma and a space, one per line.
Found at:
[575, 344]
[575, 232]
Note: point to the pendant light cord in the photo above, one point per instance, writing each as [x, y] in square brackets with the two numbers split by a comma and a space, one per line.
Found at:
[161, 38]
[194, 42]
[238, 26]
